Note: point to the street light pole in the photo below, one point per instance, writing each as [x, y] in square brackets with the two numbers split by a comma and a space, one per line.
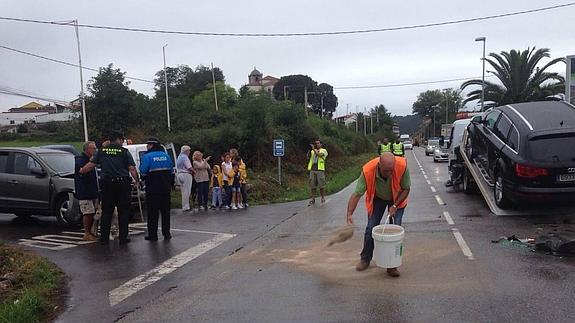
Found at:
[214, 82]
[82, 95]
[166, 85]
[434, 107]
[482, 39]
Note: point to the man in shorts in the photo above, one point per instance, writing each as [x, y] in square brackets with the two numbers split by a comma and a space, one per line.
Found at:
[316, 168]
[86, 188]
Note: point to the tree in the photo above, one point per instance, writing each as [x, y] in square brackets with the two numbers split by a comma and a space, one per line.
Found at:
[521, 79]
[294, 87]
[185, 81]
[426, 102]
[111, 104]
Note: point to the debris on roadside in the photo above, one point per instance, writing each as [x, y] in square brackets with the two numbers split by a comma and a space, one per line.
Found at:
[513, 241]
[559, 244]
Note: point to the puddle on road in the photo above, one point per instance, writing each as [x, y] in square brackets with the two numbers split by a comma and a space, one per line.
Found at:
[428, 264]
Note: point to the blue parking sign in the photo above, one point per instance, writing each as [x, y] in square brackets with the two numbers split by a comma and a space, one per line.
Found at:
[279, 147]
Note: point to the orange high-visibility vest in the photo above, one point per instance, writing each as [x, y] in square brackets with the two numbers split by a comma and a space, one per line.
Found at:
[370, 171]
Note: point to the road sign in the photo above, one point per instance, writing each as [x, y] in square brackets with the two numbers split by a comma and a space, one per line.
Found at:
[279, 147]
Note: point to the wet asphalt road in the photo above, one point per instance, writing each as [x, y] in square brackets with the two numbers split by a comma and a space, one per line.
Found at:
[276, 267]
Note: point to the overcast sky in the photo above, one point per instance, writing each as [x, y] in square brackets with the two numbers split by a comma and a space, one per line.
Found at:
[408, 56]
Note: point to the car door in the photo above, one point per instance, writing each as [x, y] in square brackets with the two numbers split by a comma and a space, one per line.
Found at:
[27, 190]
[4, 155]
[499, 142]
[485, 138]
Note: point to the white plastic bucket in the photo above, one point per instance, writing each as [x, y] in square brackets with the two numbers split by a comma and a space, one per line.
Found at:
[388, 243]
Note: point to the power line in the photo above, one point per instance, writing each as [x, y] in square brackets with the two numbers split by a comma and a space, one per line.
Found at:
[406, 84]
[66, 63]
[24, 94]
[328, 33]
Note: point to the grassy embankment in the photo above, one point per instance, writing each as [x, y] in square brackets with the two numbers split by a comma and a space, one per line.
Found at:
[31, 287]
[265, 188]
[34, 143]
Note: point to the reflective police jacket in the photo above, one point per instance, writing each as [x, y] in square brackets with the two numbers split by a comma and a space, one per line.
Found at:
[156, 169]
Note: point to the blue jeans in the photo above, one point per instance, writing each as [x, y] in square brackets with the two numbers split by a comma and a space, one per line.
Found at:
[379, 207]
[217, 196]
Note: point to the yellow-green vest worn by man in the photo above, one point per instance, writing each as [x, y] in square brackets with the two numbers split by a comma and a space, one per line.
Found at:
[398, 149]
[320, 159]
[385, 148]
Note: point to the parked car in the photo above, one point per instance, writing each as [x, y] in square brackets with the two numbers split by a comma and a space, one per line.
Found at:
[431, 145]
[407, 145]
[37, 181]
[527, 151]
[67, 148]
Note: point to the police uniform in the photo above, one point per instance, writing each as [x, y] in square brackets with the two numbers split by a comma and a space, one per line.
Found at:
[156, 168]
[115, 184]
[384, 148]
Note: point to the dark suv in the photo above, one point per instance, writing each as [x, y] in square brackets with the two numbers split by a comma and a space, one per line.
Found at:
[526, 151]
[38, 181]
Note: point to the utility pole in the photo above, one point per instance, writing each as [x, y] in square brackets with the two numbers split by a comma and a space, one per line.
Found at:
[482, 39]
[285, 92]
[166, 84]
[305, 99]
[322, 105]
[371, 121]
[82, 96]
[446, 108]
[364, 123]
[434, 107]
[356, 119]
[214, 82]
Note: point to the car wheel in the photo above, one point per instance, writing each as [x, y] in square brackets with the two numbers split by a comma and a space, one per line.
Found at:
[61, 208]
[466, 182]
[499, 192]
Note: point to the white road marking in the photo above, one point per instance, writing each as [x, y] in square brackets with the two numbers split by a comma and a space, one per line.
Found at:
[425, 176]
[423, 172]
[448, 218]
[134, 285]
[428, 182]
[433, 189]
[462, 244]
[439, 200]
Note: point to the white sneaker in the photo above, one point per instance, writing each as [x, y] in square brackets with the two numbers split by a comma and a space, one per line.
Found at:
[240, 206]
[234, 207]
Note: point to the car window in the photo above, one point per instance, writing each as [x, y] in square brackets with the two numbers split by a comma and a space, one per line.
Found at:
[23, 164]
[62, 163]
[3, 162]
[502, 128]
[491, 119]
[513, 140]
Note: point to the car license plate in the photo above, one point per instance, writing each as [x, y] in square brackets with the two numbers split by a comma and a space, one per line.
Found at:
[567, 178]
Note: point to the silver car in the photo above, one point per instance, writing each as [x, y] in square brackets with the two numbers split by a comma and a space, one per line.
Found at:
[431, 145]
[37, 181]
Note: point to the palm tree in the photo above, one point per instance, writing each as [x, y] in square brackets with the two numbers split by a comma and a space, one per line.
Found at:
[521, 80]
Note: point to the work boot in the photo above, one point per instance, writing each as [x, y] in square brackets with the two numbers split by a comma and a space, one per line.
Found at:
[393, 272]
[362, 265]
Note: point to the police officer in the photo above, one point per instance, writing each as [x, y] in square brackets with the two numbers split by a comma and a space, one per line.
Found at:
[117, 164]
[156, 169]
[384, 147]
[397, 148]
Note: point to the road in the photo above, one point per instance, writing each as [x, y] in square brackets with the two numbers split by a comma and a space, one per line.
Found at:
[270, 263]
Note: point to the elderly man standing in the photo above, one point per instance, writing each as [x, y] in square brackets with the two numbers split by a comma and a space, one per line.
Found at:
[117, 165]
[316, 168]
[156, 169]
[386, 181]
[185, 176]
[86, 188]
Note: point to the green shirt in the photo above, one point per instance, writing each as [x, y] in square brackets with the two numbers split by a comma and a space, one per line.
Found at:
[114, 161]
[382, 186]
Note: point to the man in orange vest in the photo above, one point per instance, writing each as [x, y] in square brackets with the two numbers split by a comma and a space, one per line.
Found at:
[386, 181]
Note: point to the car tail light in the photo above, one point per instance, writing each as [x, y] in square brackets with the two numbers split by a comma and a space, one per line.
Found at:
[529, 171]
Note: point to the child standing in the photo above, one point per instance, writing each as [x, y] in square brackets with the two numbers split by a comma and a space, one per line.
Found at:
[243, 180]
[236, 188]
[216, 184]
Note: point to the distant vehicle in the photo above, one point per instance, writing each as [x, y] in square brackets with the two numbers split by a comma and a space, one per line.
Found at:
[407, 145]
[403, 138]
[38, 181]
[455, 167]
[431, 145]
[440, 155]
[526, 151]
[67, 148]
